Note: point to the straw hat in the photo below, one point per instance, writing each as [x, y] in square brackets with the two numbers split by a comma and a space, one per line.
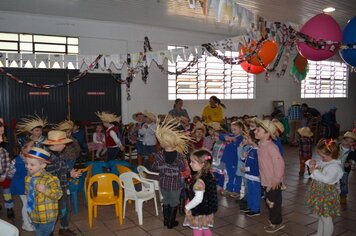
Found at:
[215, 126]
[150, 116]
[28, 124]
[197, 126]
[295, 103]
[108, 117]
[305, 131]
[279, 127]
[268, 126]
[65, 125]
[38, 153]
[350, 134]
[134, 116]
[57, 137]
[169, 137]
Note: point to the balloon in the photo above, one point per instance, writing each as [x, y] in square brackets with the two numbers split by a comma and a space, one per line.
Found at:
[321, 26]
[349, 37]
[249, 68]
[267, 52]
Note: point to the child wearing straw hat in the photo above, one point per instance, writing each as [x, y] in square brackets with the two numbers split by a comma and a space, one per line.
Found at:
[32, 127]
[43, 192]
[305, 148]
[72, 150]
[56, 143]
[149, 141]
[18, 183]
[346, 155]
[271, 167]
[113, 143]
[169, 162]
[198, 135]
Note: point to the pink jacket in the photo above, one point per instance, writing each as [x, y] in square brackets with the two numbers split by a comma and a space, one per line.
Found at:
[270, 163]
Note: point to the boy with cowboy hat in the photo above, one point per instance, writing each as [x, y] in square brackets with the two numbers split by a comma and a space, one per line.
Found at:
[271, 167]
[113, 143]
[346, 155]
[305, 148]
[43, 192]
[72, 149]
[56, 143]
[169, 162]
[32, 128]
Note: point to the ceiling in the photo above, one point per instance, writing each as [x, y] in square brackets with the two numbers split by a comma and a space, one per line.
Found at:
[171, 14]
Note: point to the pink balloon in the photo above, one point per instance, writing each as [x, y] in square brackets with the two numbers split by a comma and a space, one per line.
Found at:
[321, 26]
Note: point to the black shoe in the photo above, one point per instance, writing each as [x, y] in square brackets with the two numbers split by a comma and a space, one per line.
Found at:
[172, 217]
[10, 213]
[165, 214]
[251, 214]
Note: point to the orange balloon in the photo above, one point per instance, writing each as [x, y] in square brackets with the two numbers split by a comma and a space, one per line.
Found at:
[267, 52]
[249, 68]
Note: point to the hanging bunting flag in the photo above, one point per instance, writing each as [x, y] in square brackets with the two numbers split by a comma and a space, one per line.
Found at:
[42, 59]
[55, 59]
[70, 61]
[28, 60]
[14, 59]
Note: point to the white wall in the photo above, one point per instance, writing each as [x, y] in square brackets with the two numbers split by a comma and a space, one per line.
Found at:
[111, 38]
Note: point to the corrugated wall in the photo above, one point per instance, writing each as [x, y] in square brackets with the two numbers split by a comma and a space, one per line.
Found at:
[94, 92]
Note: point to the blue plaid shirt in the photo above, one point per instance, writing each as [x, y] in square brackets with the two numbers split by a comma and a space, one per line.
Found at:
[295, 113]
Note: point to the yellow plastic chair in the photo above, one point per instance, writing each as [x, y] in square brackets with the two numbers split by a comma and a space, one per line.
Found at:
[104, 195]
[124, 169]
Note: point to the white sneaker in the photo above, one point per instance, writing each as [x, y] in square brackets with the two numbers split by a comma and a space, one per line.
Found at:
[28, 227]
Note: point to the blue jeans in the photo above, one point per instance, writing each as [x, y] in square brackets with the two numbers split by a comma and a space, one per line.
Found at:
[44, 229]
[64, 209]
[234, 184]
[344, 181]
[254, 195]
[112, 153]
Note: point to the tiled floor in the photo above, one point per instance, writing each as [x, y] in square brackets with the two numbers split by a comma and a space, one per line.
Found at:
[229, 220]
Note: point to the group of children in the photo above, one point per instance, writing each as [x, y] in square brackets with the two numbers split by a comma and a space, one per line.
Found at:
[251, 154]
[40, 174]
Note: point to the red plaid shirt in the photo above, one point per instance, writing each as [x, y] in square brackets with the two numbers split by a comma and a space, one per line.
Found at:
[305, 148]
[169, 174]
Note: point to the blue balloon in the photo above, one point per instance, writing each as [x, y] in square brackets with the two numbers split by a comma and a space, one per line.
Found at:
[349, 37]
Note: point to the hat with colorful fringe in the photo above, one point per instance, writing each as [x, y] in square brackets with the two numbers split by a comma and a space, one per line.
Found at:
[28, 124]
[108, 117]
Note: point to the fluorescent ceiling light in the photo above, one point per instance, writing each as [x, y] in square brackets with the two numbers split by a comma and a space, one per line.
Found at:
[329, 9]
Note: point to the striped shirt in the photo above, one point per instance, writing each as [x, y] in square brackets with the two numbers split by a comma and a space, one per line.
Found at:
[46, 204]
[295, 113]
[4, 163]
[59, 168]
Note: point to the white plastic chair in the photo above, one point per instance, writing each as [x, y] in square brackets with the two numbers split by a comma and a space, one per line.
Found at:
[130, 193]
[143, 172]
[8, 229]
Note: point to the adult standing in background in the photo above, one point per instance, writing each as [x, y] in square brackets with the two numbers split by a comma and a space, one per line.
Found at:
[295, 117]
[309, 112]
[177, 110]
[328, 120]
[214, 111]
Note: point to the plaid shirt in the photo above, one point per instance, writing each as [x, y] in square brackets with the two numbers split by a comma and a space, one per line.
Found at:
[58, 168]
[4, 163]
[71, 151]
[46, 204]
[295, 113]
[169, 174]
[305, 148]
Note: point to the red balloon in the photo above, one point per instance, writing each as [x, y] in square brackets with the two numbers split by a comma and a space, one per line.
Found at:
[267, 52]
[249, 68]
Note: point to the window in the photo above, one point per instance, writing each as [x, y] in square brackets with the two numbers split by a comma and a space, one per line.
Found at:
[32, 43]
[325, 79]
[210, 76]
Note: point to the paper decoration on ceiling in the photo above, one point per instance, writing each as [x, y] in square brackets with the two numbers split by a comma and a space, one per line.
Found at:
[299, 69]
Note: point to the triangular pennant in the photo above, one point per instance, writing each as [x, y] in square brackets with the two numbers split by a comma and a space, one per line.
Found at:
[56, 61]
[14, 59]
[42, 60]
[70, 62]
[3, 59]
[175, 53]
[135, 59]
[28, 60]
[151, 56]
